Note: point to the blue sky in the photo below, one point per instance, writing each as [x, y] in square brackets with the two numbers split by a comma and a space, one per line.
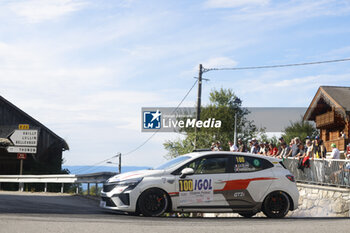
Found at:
[85, 68]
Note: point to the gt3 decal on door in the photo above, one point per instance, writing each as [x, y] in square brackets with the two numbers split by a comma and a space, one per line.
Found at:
[236, 194]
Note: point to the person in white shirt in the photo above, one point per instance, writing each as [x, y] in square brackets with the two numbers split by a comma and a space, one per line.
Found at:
[233, 147]
[335, 152]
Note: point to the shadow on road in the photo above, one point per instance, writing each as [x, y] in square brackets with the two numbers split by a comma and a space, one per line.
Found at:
[47, 204]
[76, 205]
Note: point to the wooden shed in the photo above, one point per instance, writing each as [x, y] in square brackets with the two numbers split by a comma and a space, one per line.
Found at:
[330, 110]
[47, 160]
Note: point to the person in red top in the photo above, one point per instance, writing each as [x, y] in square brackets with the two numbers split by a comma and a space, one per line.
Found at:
[272, 150]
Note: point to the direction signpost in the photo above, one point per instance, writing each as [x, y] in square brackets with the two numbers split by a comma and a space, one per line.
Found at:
[24, 137]
[21, 149]
[24, 141]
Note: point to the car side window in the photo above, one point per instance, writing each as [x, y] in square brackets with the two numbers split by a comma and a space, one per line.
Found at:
[209, 165]
[250, 164]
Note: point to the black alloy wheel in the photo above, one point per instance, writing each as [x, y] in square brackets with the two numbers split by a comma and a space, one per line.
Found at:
[153, 202]
[276, 205]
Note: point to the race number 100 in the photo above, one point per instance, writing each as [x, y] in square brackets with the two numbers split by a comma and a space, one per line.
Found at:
[185, 185]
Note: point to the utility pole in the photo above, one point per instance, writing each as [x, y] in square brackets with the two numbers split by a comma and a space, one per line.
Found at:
[199, 96]
[120, 163]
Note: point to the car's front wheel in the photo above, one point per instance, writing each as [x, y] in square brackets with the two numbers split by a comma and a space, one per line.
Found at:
[276, 205]
[153, 202]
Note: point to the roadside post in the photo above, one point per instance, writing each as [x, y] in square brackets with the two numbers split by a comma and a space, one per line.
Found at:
[24, 142]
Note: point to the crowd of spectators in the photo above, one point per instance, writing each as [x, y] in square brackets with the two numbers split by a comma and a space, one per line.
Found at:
[303, 151]
[309, 148]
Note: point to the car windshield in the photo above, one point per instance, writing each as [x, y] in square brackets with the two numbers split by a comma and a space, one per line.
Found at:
[173, 162]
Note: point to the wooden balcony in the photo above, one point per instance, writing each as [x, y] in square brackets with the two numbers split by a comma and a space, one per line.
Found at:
[325, 119]
[341, 144]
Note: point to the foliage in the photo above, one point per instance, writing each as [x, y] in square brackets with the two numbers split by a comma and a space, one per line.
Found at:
[222, 107]
[300, 129]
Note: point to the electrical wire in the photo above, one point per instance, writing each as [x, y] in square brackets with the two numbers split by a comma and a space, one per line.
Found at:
[212, 69]
[277, 66]
[155, 132]
[142, 144]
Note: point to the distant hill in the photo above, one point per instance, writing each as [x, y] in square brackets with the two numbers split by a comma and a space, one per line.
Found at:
[93, 169]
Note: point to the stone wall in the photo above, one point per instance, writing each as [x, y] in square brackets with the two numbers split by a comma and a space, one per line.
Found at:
[314, 201]
[322, 201]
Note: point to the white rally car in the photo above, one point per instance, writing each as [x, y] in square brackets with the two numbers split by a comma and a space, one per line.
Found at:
[206, 182]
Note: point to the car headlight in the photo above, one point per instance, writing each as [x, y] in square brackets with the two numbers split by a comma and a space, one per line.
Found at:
[128, 184]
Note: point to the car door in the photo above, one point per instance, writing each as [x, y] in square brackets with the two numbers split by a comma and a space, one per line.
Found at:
[248, 182]
[199, 190]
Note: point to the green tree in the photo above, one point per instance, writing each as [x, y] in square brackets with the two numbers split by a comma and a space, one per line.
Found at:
[300, 129]
[222, 107]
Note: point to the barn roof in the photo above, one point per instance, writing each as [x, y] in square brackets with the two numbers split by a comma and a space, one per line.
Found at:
[34, 122]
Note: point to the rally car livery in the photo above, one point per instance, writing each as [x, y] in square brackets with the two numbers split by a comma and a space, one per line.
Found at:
[206, 182]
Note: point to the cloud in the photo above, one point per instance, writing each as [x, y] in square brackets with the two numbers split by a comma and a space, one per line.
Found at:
[292, 11]
[35, 11]
[234, 3]
[219, 62]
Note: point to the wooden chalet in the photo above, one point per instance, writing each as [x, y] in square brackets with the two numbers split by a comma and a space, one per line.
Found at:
[47, 160]
[330, 110]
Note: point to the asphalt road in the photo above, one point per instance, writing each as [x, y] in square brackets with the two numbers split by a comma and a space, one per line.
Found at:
[26, 213]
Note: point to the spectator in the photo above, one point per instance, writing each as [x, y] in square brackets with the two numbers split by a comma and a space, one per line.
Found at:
[213, 146]
[233, 147]
[319, 150]
[218, 146]
[347, 170]
[309, 148]
[253, 145]
[255, 148]
[343, 135]
[241, 146]
[285, 150]
[301, 154]
[294, 148]
[281, 140]
[262, 148]
[304, 161]
[250, 145]
[335, 152]
[272, 150]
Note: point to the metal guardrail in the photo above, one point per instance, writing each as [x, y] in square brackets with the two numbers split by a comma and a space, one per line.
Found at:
[332, 172]
[95, 178]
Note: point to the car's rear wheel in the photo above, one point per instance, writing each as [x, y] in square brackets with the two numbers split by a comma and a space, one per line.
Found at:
[247, 214]
[153, 202]
[276, 205]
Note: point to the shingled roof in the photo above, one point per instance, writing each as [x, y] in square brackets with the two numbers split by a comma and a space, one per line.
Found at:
[341, 95]
[336, 96]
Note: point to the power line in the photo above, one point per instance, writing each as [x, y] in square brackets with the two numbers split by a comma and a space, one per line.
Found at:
[212, 69]
[276, 66]
[142, 144]
[154, 133]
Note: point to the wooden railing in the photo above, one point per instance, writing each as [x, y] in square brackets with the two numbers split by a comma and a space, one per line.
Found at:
[325, 119]
[341, 144]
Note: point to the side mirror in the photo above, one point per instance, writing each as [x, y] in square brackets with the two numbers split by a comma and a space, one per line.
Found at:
[186, 172]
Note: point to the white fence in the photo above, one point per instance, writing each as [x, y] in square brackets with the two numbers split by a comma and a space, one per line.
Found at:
[333, 172]
[94, 178]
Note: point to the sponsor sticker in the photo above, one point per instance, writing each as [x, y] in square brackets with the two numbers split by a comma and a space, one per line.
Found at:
[195, 191]
[256, 162]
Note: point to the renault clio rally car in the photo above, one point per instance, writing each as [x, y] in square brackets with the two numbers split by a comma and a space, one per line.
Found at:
[206, 182]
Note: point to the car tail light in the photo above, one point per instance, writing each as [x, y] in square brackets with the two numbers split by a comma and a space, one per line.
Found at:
[291, 178]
